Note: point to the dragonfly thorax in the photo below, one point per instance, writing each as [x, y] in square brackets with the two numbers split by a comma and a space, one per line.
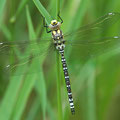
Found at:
[58, 40]
[57, 35]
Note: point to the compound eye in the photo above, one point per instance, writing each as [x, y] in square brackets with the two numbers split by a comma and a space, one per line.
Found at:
[54, 22]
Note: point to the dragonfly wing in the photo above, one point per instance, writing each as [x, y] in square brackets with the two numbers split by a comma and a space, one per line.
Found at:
[22, 46]
[88, 49]
[19, 55]
[95, 29]
[92, 39]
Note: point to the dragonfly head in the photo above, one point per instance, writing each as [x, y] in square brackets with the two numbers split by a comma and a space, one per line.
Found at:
[54, 25]
[54, 22]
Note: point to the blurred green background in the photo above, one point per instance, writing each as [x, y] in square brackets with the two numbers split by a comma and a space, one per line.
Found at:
[37, 96]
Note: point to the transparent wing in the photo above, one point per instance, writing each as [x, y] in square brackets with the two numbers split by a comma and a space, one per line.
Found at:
[88, 41]
[95, 29]
[9, 47]
[86, 50]
[22, 54]
[92, 40]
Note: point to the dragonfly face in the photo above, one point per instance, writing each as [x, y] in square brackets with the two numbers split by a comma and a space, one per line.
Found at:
[54, 25]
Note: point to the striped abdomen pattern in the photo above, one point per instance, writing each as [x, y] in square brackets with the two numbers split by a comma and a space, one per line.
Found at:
[67, 80]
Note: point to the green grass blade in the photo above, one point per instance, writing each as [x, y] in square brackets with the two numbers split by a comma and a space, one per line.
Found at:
[6, 32]
[34, 110]
[30, 25]
[41, 81]
[76, 21]
[25, 91]
[2, 5]
[80, 12]
[51, 113]
[10, 98]
[47, 16]
[43, 11]
[41, 88]
[58, 70]
[21, 6]
[91, 98]
[18, 11]
[57, 7]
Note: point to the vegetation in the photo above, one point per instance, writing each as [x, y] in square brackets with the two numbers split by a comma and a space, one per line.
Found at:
[36, 90]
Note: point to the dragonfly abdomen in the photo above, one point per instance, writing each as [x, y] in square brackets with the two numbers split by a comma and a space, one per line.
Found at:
[67, 80]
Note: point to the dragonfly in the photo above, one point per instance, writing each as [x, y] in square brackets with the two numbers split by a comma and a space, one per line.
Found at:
[87, 43]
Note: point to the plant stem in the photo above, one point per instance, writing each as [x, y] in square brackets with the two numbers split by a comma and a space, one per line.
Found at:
[58, 72]
[58, 86]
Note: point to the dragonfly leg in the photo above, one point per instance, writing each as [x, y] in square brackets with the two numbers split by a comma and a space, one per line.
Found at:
[46, 26]
[60, 18]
